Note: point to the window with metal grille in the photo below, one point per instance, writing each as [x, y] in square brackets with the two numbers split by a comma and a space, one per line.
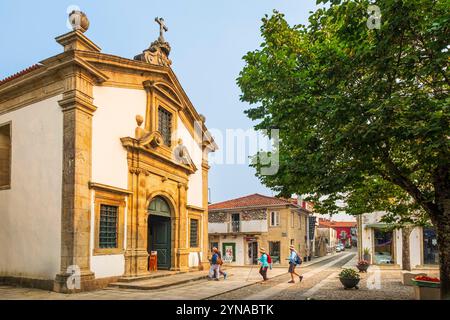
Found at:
[194, 233]
[5, 156]
[165, 125]
[108, 226]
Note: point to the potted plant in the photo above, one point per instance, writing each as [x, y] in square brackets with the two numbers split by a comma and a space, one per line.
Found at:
[349, 279]
[363, 265]
[366, 254]
[427, 288]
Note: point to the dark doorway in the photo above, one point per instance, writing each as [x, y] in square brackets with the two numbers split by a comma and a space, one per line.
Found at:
[160, 232]
[274, 251]
[253, 253]
[384, 246]
[430, 248]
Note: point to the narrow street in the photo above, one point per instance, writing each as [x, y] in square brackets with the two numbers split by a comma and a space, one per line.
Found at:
[320, 282]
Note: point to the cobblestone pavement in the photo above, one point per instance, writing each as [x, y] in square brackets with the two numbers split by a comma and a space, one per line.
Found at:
[198, 290]
[321, 282]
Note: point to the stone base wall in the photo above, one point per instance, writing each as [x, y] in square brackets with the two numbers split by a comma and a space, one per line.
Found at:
[49, 285]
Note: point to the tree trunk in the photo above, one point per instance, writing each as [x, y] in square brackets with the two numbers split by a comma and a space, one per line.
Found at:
[443, 238]
[406, 257]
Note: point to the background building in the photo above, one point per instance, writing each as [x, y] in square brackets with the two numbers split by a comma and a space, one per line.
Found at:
[386, 246]
[240, 227]
[326, 240]
[346, 231]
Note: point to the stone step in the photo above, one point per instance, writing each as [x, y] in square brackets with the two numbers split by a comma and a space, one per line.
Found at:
[155, 275]
[161, 282]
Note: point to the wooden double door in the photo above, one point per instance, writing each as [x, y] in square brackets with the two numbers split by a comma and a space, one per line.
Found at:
[160, 240]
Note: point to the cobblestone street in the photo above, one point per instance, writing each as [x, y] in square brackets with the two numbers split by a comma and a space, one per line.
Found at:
[320, 282]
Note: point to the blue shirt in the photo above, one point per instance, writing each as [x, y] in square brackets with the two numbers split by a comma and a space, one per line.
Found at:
[263, 260]
[293, 257]
[214, 258]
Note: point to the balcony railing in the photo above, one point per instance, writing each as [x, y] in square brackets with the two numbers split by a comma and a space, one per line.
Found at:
[234, 226]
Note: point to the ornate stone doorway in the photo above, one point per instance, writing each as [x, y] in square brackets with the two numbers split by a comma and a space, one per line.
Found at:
[160, 232]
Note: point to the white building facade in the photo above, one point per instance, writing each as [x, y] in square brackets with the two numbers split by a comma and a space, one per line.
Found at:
[386, 247]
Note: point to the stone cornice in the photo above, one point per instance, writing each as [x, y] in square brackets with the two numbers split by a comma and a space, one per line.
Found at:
[196, 209]
[50, 76]
[104, 187]
[76, 40]
[77, 102]
[134, 146]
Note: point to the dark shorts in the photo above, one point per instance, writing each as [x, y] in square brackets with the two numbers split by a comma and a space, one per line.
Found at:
[291, 267]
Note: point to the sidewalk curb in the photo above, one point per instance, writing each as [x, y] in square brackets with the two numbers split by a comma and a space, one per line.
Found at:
[261, 281]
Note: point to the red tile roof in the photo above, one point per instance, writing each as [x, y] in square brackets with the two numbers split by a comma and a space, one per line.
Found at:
[336, 224]
[21, 73]
[254, 200]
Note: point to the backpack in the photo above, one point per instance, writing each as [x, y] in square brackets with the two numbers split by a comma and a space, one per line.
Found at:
[269, 259]
[298, 260]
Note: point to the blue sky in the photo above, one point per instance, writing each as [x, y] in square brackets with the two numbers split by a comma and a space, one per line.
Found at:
[208, 39]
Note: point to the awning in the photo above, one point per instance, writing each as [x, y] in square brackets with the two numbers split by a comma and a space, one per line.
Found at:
[380, 226]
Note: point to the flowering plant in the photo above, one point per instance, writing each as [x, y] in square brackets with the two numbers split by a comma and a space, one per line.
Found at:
[362, 263]
[425, 278]
[349, 274]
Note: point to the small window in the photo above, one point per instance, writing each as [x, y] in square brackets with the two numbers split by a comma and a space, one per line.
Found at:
[5, 156]
[274, 219]
[165, 125]
[108, 226]
[292, 219]
[194, 233]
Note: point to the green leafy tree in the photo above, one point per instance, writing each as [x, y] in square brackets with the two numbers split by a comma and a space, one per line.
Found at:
[354, 104]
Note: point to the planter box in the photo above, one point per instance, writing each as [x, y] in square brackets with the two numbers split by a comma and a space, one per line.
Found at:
[427, 290]
[427, 293]
[408, 277]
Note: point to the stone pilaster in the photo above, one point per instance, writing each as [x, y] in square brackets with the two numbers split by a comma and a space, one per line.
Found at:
[76, 196]
[182, 251]
[136, 255]
[205, 244]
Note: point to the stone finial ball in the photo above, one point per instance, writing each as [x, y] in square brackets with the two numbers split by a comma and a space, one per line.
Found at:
[139, 120]
[202, 118]
[79, 21]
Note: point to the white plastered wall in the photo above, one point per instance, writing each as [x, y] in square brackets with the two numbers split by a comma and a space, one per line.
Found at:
[195, 192]
[30, 212]
[114, 119]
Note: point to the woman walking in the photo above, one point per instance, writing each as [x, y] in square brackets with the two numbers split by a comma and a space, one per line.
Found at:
[263, 260]
[220, 264]
[294, 260]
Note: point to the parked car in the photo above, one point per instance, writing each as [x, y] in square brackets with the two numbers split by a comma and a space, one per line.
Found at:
[340, 247]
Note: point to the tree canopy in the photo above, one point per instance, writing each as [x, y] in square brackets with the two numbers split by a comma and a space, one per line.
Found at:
[363, 113]
[353, 103]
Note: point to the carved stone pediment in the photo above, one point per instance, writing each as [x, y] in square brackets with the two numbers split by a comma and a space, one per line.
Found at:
[157, 54]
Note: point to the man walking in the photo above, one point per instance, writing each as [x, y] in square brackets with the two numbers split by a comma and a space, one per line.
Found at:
[294, 260]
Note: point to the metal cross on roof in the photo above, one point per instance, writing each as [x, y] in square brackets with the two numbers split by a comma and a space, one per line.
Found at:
[162, 28]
